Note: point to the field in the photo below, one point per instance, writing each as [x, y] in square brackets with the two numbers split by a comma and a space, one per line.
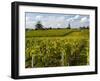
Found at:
[56, 47]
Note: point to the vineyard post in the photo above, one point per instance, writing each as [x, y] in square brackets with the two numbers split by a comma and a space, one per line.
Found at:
[32, 61]
[62, 59]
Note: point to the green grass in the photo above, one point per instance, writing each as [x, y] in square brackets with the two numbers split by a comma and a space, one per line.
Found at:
[57, 47]
[48, 33]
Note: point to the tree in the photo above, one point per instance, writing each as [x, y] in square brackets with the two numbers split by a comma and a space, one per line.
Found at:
[69, 27]
[38, 25]
[87, 27]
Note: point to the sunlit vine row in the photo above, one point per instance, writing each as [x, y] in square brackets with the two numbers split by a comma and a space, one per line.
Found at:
[56, 52]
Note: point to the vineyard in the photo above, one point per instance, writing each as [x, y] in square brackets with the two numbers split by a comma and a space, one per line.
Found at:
[56, 47]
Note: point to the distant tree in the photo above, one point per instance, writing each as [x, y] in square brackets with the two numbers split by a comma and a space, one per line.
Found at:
[87, 27]
[69, 26]
[84, 27]
[27, 29]
[50, 28]
[80, 27]
[38, 25]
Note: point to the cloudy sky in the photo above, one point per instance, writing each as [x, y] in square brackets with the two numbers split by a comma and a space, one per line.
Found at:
[56, 20]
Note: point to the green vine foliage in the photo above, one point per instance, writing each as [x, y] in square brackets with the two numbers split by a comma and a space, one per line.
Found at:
[56, 52]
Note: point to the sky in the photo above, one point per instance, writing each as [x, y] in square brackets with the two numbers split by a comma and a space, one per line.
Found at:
[56, 20]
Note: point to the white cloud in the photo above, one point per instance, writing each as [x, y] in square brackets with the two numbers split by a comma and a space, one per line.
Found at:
[58, 25]
[61, 18]
[39, 17]
[30, 24]
[70, 20]
[73, 18]
[84, 19]
[54, 18]
[53, 21]
[28, 19]
[76, 17]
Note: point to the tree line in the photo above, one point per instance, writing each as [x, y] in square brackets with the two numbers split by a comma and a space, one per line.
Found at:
[39, 26]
